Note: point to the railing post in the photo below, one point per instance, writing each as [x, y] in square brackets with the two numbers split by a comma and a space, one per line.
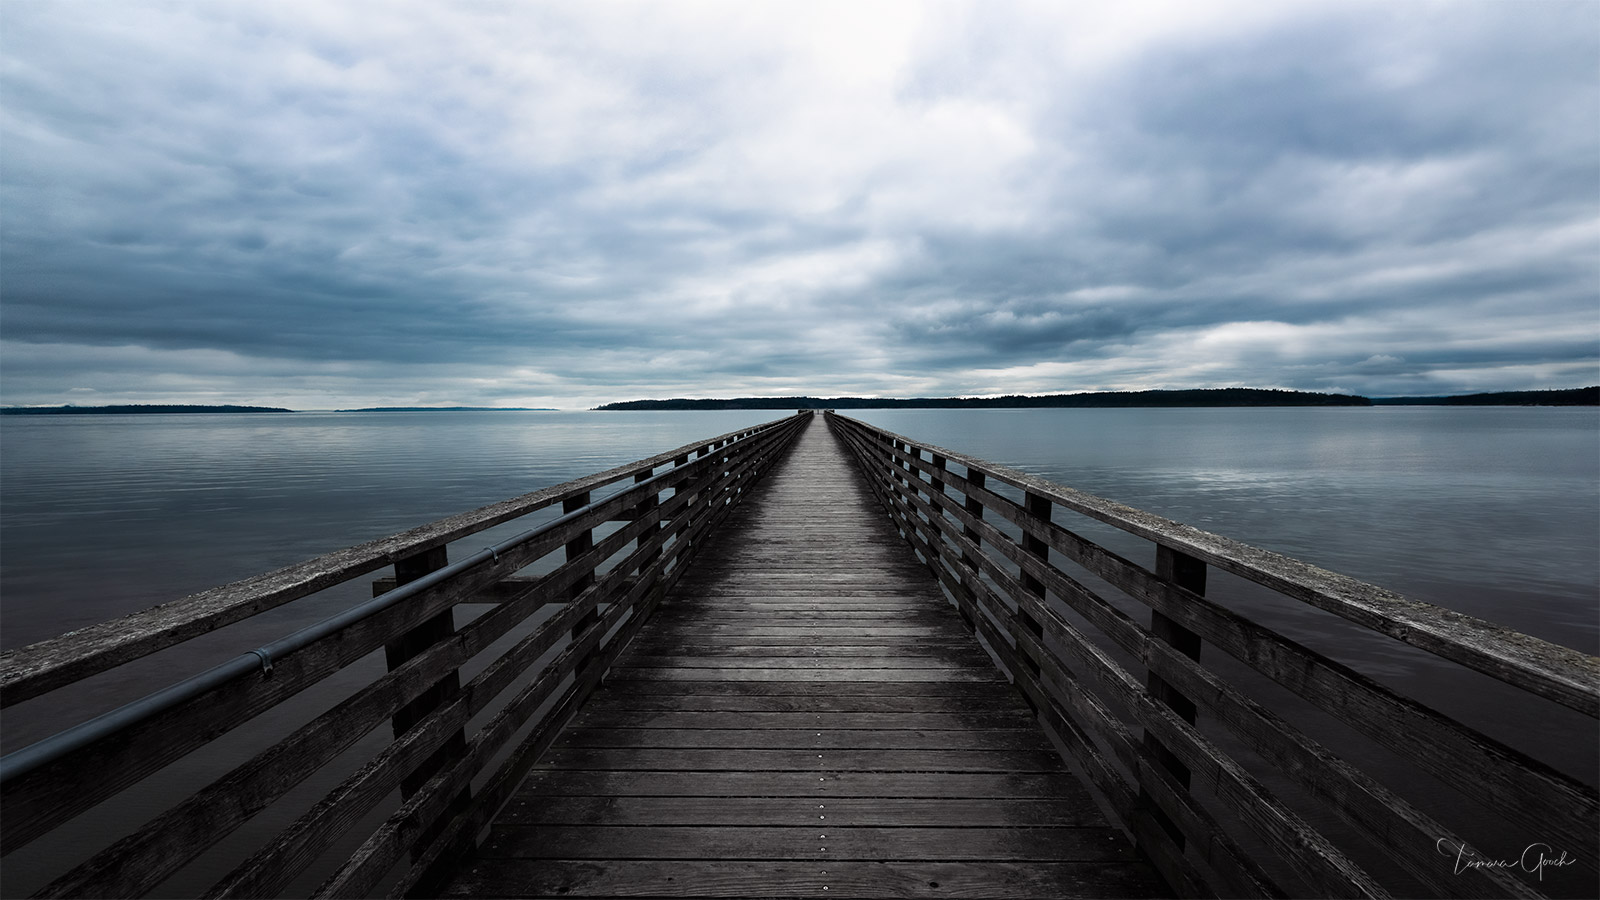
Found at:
[1186, 572]
[1038, 507]
[969, 563]
[965, 599]
[575, 548]
[437, 629]
[684, 510]
[642, 509]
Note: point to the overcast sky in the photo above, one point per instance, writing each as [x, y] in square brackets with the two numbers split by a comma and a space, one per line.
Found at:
[320, 205]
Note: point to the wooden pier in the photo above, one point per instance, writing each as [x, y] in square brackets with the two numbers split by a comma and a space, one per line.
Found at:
[804, 716]
[806, 659]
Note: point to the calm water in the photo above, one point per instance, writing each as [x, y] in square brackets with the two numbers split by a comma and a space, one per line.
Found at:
[1494, 512]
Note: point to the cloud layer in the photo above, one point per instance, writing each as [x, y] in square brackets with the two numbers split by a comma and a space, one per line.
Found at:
[322, 205]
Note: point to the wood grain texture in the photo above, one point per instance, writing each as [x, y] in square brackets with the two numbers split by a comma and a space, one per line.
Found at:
[806, 660]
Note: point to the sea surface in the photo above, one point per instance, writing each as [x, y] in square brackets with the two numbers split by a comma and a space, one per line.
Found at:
[1490, 511]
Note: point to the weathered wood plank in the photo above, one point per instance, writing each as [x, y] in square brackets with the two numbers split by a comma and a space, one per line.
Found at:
[801, 811]
[797, 662]
[1022, 737]
[804, 689]
[606, 717]
[820, 760]
[964, 651]
[835, 703]
[792, 674]
[766, 878]
[977, 785]
[820, 842]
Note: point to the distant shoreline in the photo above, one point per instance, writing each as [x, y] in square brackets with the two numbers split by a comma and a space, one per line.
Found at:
[188, 409]
[1215, 398]
[135, 409]
[451, 409]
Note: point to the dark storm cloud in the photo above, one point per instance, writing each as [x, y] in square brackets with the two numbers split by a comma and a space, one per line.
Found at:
[322, 204]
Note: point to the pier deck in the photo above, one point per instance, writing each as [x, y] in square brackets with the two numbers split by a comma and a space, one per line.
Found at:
[805, 716]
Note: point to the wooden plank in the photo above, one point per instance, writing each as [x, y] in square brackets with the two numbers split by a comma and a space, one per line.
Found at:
[819, 842]
[853, 702]
[977, 693]
[767, 878]
[1022, 737]
[797, 811]
[803, 638]
[964, 651]
[811, 675]
[809, 632]
[972, 785]
[847, 760]
[797, 662]
[611, 718]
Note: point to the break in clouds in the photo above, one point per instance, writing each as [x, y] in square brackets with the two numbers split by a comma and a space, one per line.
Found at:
[319, 205]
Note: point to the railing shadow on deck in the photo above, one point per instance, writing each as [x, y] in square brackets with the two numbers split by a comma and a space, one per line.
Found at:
[1006, 549]
[618, 555]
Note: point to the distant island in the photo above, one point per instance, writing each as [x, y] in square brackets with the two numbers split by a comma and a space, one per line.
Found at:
[451, 409]
[1101, 400]
[145, 408]
[1219, 397]
[1585, 396]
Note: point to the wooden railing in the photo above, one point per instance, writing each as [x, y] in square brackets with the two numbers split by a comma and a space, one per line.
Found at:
[618, 555]
[1005, 547]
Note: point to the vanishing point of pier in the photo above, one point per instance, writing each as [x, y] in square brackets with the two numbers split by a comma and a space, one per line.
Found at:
[806, 659]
